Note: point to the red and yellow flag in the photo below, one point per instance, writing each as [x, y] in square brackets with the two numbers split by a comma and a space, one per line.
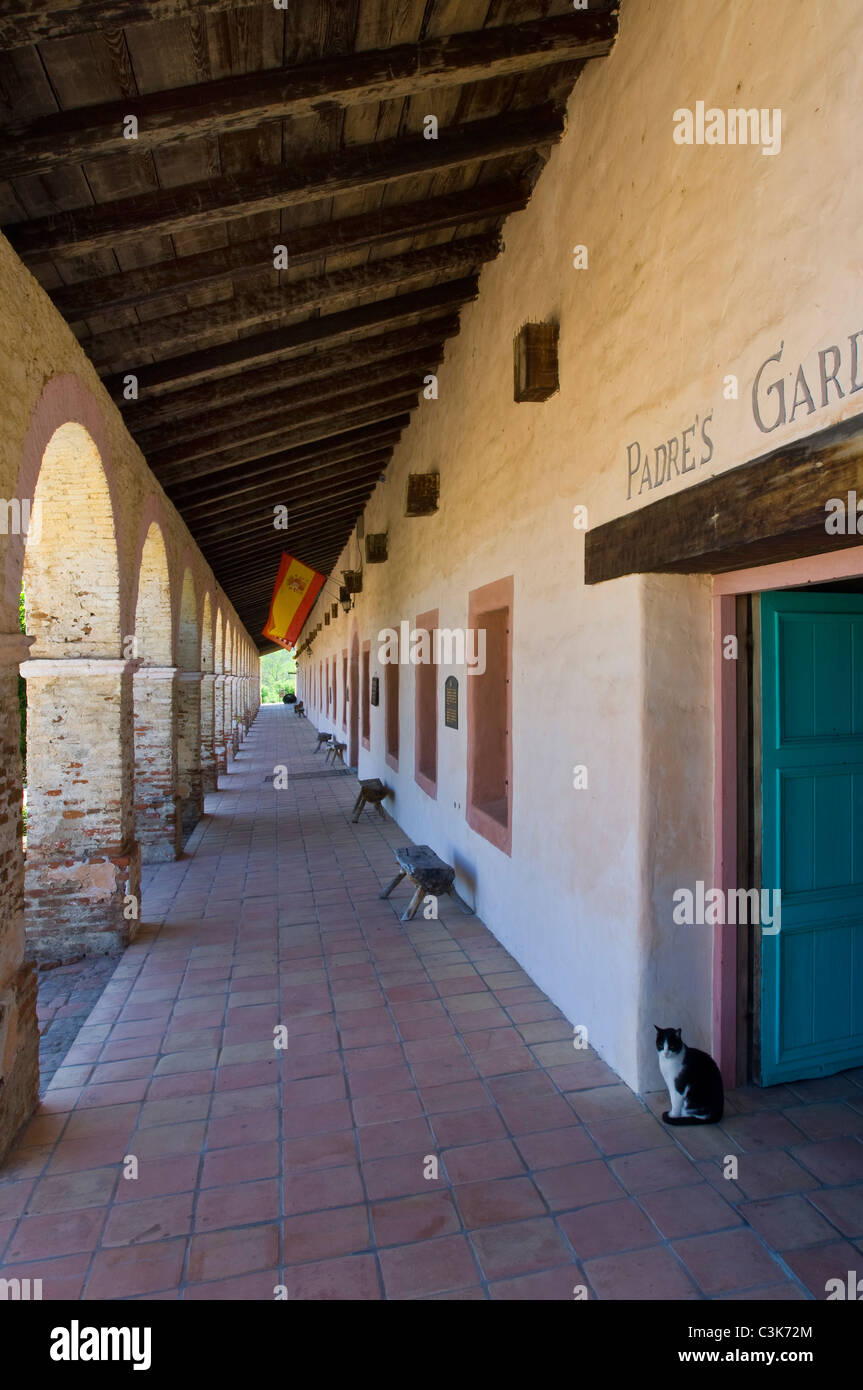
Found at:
[297, 587]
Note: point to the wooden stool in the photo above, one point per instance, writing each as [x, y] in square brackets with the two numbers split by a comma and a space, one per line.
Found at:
[300, 709]
[372, 793]
[322, 738]
[335, 752]
[427, 872]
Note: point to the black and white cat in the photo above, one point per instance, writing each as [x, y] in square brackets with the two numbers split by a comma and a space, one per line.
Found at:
[693, 1080]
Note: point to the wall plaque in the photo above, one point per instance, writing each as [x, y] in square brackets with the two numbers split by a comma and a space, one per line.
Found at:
[375, 695]
[450, 702]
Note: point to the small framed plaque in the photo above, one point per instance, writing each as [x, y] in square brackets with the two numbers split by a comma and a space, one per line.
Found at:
[450, 702]
[375, 692]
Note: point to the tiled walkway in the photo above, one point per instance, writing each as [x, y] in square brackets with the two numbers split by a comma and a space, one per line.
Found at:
[429, 1132]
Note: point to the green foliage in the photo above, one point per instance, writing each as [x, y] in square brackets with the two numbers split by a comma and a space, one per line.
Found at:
[278, 676]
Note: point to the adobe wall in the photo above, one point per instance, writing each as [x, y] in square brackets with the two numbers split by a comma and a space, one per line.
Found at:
[703, 261]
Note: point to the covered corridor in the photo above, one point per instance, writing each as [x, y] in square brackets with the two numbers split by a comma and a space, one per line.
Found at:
[429, 1131]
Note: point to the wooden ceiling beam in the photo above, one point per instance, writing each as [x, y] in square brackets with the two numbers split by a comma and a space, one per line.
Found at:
[230, 562]
[329, 330]
[25, 22]
[265, 308]
[189, 207]
[250, 100]
[304, 502]
[322, 427]
[341, 448]
[277, 403]
[304, 244]
[286, 490]
[429, 337]
[219, 442]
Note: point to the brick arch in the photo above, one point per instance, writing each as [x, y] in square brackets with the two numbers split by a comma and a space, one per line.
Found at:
[64, 400]
[71, 571]
[153, 601]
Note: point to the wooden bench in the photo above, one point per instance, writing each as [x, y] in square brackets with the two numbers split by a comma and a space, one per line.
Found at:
[428, 873]
[336, 753]
[372, 793]
[322, 738]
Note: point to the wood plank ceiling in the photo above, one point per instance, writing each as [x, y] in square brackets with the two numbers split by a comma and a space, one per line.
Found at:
[260, 126]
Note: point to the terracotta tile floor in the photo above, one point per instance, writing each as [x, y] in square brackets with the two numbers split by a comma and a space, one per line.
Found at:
[429, 1132]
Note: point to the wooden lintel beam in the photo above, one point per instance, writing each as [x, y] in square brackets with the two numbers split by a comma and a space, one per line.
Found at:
[247, 101]
[189, 207]
[268, 307]
[304, 244]
[770, 509]
[280, 344]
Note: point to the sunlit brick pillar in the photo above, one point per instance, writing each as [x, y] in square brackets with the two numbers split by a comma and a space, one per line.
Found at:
[189, 784]
[247, 701]
[19, 1030]
[227, 715]
[157, 808]
[234, 682]
[219, 745]
[208, 750]
[83, 866]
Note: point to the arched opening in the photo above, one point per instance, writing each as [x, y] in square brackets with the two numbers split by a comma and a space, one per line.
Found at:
[157, 820]
[82, 875]
[189, 787]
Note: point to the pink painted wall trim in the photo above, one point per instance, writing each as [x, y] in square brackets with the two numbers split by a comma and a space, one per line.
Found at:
[365, 694]
[814, 569]
[725, 838]
[425, 622]
[486, 600]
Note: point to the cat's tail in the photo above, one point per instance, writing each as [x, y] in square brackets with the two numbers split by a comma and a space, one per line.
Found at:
[691, 1119]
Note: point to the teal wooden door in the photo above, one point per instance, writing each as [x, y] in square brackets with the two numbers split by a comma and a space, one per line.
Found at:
[812, 833]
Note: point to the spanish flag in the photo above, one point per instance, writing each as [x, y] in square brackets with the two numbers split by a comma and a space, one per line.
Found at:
[297, 587]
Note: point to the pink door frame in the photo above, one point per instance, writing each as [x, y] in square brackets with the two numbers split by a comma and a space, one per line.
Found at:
[354, 702]
[814, 569]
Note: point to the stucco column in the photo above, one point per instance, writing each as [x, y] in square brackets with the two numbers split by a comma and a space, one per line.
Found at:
[157, 810]
[190, 789]
[208, 752]
[82, 885]
[219, 747]
[19, 1030]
